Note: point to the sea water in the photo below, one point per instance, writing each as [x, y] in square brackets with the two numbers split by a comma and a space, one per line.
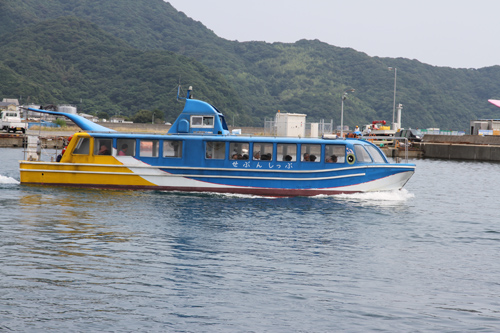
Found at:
[425, 258]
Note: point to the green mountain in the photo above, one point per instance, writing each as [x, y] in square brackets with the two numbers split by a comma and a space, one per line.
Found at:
[248, 81]
[68, 60]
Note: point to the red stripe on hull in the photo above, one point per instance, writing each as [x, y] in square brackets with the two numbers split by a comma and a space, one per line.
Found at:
[268, 192]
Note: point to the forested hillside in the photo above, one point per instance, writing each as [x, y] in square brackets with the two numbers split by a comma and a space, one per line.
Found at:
[72, 61]
[251, 80]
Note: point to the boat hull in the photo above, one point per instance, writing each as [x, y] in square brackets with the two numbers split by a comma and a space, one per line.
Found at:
[142, 176]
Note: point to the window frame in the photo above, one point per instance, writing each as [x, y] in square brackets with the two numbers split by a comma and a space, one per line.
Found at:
[293, 155]
[341, 154]
[214, 151]
[361, 154]
[203, 121]
[177, 151]
[376, 155]
[131, 150]
[79, 144]
[257, 147]
[238, 148]
[155, 147]
[99, 141]
[306, 148]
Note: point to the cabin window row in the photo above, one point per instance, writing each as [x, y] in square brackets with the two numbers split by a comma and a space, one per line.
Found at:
[284, 152]
[127, 147]
[257, 151]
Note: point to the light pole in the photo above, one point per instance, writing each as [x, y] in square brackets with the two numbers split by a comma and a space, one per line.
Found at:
[394, 105]
[344, 97]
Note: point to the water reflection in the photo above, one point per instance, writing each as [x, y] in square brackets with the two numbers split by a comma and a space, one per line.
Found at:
[93, 260]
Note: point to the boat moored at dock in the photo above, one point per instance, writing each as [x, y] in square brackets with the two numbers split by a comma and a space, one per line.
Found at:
[199, 154]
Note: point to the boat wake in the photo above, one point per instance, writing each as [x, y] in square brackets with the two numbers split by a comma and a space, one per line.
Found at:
[219, 194]
[7, 180]
[378, 198]
[395, 195]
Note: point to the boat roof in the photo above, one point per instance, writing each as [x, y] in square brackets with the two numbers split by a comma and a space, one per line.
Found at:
[186, 127]
[230, 138]
[193, 107]
[81, 122]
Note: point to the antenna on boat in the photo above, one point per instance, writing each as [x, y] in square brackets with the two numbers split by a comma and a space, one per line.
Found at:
[189, 93]
[178, 92]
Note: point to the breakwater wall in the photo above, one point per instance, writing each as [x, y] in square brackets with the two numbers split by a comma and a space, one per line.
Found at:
[161, 128]
[20, 140]
[461, 147]
[464, 147]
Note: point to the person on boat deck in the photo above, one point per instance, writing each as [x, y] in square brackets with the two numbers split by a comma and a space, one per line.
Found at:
[64, 149]
[306, 157]
[123, 151]
[104, 150]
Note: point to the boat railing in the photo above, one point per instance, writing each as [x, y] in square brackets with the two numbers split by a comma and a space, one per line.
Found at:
[35, 148]
[389, 138]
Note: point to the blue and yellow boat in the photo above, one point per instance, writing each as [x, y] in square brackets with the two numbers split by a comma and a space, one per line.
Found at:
[199, 154]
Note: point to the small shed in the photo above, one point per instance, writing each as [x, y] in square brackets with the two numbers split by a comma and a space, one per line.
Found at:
[290, 124]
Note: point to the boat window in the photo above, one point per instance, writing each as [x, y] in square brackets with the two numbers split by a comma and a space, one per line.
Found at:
[239, 150]
[286, 152]
[376, 154]
[172, 148]
[148, 148]
[334, 153]
[262, 151]
[102, 146]
[82, 147]
[202, 121]
[311, 153]
[361, 154]
[215, 150]
[128, 144]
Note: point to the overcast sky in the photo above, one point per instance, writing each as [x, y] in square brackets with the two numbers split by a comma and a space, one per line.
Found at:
[452, 33]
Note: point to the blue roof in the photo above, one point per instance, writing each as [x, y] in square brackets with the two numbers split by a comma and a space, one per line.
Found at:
[81, 122]
[194, 107]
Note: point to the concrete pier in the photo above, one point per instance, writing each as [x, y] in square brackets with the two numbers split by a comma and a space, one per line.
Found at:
[11, 140]
[464, 147]
[20, 140]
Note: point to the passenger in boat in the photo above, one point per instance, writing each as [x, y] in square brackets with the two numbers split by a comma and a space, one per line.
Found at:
[312, 158]
[256, 156]
[266, 157]
[123, 151]
[331, 159]
[288, 158]
[234, 156]
[306, 157]
[244, 157]
[104, 150]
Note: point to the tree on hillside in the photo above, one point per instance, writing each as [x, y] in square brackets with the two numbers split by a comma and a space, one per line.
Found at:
[143, 116]
[102, 115]
[158, 116]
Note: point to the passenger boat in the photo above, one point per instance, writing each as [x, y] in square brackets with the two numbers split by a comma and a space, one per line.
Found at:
[199, 154]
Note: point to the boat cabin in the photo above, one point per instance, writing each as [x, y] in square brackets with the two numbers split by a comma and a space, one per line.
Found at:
[220, 151]
[199, 117]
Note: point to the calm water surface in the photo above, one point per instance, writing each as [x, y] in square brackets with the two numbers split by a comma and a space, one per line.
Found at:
[422, 259]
